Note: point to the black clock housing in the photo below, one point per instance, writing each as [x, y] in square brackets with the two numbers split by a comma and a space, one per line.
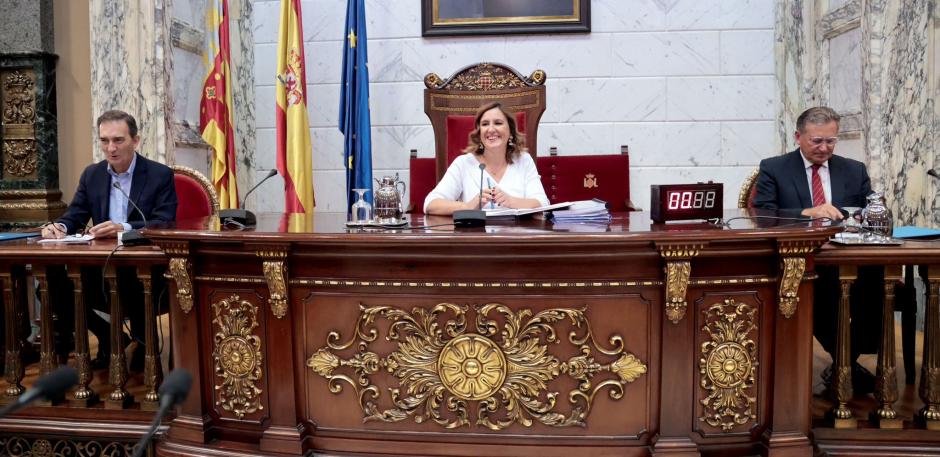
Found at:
[682, 202]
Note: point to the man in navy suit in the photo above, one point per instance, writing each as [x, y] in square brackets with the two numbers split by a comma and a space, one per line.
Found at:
[150, 185]
[814, 182]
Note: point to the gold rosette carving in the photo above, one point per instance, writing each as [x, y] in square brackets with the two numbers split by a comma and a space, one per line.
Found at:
[499, 371]
[728, 365]
[237, 356]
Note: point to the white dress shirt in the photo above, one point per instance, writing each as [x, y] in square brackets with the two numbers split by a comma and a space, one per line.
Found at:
[462, 180]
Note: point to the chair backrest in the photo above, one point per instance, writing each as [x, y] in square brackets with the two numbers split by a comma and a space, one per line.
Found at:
[197, 197]
[748, 190]
[449, 103]
[584, 177]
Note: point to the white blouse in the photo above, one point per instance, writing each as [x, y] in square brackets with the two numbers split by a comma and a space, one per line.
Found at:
[462, 180]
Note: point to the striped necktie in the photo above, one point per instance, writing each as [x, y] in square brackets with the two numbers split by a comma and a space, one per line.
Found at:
[819, 195]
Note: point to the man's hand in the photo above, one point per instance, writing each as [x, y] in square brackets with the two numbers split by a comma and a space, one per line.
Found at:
[106, 229]
[824, 210]
[53, 230]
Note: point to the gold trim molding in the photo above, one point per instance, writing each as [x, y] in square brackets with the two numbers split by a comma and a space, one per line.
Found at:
[728, 365]
[237, 356]
[500, 370]
[793, 260]
[678, 269]
[179, 270]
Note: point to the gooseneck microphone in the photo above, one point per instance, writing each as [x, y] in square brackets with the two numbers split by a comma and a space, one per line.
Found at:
[49, 386]
[467, 218]
[933, 173]
[132, 237]
[241, 215]
[172, 392]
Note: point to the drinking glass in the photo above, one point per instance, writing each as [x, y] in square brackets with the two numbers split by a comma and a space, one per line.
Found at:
[361, 211]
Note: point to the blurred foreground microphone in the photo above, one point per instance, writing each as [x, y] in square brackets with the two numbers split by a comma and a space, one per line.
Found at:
[132, 237]
[241, 215]
[933, 173]
[466, 218]
[173, 391]
[47, 387]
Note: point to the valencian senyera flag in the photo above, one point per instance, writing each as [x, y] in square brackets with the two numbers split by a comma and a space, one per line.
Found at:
[294, 160]
[354, 119]
[215, 107]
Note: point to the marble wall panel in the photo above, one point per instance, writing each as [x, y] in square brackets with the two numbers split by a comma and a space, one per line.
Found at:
[746, 143]
[633, 16]
[576, 139]
[606, 100]
[721, 98]
[26, 26]
[656, 54]
[744, 52]
[671, 144]
[576, 56]
[845, 72]
[720, 14]
[322, 104]
[399, 19]
[445, 56]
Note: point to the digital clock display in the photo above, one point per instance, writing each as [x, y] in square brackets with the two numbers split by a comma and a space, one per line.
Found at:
[673, 202]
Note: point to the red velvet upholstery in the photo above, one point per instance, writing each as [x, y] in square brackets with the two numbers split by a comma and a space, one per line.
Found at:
[573, 178]
[193, 199]
[422, 182]
[458, 130]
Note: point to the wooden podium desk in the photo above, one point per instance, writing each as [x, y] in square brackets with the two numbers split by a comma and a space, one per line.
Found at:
[520, 339]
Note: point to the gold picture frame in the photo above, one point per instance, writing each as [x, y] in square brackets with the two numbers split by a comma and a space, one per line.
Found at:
[498, 17]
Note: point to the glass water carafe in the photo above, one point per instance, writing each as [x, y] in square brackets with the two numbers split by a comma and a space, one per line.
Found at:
[877, 219]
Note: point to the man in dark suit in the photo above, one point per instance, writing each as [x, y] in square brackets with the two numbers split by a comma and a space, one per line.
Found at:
[815, 183]
[100, 198]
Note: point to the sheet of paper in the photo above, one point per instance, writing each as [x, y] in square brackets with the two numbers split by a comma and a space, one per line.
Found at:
[68, 239]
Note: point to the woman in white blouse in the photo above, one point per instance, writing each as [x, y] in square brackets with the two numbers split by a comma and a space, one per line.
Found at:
[510, 179]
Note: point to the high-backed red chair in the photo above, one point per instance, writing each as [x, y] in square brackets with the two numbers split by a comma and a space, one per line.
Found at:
[451, 104]
[197, 197]
[586, 177]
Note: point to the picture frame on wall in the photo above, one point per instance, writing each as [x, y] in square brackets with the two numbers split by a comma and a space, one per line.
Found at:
[498, 17]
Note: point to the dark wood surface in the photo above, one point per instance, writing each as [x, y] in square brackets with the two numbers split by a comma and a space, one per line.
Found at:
[613, 272]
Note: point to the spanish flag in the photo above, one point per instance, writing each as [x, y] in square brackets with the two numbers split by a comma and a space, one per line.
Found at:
[215, 107]
[294, 155]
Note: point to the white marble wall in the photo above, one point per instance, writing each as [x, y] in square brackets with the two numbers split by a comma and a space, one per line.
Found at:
[689, 85]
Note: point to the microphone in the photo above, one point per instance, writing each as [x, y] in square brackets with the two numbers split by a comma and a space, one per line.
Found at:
[132, 237]
[471, 218]
[933, 173]
[240, 215]
[172, 392]
[50, 386]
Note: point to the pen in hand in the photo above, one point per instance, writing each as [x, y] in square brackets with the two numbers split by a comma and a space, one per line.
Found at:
[492, 187]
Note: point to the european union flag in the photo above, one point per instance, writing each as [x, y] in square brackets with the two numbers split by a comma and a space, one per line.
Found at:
[354, 119]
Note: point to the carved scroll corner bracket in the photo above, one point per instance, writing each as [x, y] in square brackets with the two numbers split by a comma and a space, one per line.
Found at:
[678, 269]
[793, 265]
[274, 264]
[179, 271]
[501, 368]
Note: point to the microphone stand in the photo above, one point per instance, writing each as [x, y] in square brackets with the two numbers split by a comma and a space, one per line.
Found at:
[132, 237]
[472, 218]
[240, 215]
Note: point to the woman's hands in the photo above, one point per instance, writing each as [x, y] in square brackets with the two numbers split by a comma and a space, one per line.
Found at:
[492, 195]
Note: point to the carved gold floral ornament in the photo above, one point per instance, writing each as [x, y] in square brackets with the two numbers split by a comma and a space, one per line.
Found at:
[237, 355]
[503, 367]
[728, 364]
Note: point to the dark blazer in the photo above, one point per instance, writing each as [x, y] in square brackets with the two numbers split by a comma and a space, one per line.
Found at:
[781, 183]
[152, 188]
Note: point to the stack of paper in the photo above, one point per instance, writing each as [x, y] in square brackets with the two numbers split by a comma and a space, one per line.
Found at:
[583, 211]
[499, 212]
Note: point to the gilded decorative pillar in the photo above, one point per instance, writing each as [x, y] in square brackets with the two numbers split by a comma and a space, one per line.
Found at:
[29, 188]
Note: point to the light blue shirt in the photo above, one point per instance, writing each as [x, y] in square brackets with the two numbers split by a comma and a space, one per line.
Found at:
[118, 205]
